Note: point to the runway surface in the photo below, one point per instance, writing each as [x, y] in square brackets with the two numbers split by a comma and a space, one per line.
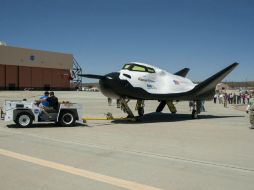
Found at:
[163, 152]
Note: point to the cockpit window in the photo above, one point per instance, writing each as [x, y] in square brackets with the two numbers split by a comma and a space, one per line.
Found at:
[126, 66]
[150, 70]
[138, 68]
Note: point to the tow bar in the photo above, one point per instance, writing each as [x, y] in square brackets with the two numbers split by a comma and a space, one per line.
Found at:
[109, 117]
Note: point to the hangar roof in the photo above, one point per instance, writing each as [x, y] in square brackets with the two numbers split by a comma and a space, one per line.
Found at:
[34, 58]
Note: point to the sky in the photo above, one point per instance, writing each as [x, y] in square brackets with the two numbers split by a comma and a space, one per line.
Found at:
[203, 35]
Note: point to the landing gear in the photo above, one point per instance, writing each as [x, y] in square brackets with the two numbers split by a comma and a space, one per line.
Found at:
[195, 109]
[161, 106]
[141, 111]
[140, 107]
[126, 108]
[170, 105]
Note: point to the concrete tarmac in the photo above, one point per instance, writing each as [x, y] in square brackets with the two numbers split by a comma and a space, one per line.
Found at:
[163, 152]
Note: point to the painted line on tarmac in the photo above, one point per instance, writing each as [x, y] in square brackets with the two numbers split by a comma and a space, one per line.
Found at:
[79, 172]
[140, 153]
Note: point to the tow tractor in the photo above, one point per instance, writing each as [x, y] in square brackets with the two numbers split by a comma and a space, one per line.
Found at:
[24, 113]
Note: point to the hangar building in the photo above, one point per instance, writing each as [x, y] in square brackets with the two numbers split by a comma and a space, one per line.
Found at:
[22, 68]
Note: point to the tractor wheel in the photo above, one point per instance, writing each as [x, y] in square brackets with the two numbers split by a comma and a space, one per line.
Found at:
[67, 119]
[24, 119]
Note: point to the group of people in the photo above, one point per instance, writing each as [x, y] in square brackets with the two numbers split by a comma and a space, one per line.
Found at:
[48, 102]
[232, 98]
[242, 98]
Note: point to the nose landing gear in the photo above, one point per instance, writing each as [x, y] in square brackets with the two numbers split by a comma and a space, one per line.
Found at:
[139, 107]
[126, 108]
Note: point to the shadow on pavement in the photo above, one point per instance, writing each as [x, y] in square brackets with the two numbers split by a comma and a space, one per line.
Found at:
[46, 125]
[147, 118]
[166, 117]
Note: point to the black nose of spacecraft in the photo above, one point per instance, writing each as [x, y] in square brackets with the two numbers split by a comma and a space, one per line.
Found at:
[109, 85]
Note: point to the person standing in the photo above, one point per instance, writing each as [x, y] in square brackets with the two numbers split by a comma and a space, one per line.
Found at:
[215, 98]
[243, 97]
[231, 98]
[248, 98]
[221, 97]
[225, 100]
[109, 101]
[202, 109]
[191, 105]
[238, 99]
[234, 98]
[250, 110]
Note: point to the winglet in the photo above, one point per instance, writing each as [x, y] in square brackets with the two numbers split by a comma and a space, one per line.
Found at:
[182, 72]
[207, 87]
